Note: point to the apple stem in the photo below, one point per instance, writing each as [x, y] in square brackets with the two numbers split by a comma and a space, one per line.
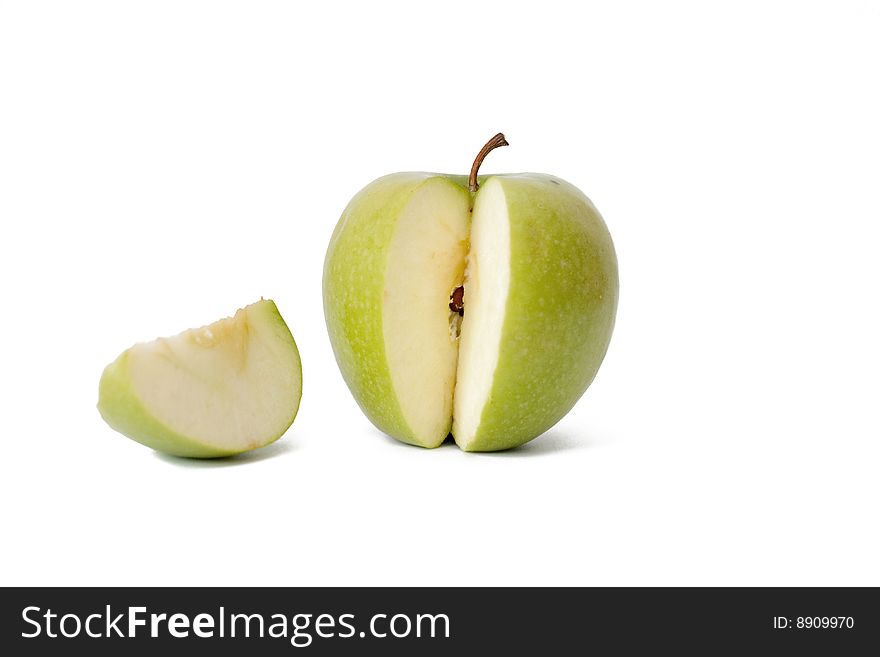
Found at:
[491, 145]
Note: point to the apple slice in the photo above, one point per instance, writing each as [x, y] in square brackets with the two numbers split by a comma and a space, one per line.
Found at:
[213, 391]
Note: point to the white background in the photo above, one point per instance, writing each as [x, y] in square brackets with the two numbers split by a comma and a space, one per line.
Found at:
[164, 163]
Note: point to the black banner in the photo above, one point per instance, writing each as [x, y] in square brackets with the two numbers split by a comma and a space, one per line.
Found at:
[439, 621]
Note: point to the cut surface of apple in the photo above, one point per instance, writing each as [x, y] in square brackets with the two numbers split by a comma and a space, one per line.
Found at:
[488, 283]
[218, 390]
[485, 313]
[425, 263]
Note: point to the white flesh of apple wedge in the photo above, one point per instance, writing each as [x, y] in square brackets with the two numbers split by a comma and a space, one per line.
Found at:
[221, 389]
[487, 280]
[219, 383]
[425, 264]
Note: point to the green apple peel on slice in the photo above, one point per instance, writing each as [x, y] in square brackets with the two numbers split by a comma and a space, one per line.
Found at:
[539, 275]
[219, 390]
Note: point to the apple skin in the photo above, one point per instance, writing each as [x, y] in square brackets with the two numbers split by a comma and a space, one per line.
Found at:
[353, 286]
[561, 304]
[119, 405]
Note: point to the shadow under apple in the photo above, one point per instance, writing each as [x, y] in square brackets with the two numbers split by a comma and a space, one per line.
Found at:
[552, 441]
[278, 448]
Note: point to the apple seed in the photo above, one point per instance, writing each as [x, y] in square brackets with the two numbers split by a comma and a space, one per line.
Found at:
[456, 300]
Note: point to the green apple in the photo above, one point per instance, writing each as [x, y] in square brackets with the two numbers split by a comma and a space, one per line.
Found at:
[477, 306]
[214, 391]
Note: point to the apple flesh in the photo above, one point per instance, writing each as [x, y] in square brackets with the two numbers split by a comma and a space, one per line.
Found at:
[219, 390]
[528, 261]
